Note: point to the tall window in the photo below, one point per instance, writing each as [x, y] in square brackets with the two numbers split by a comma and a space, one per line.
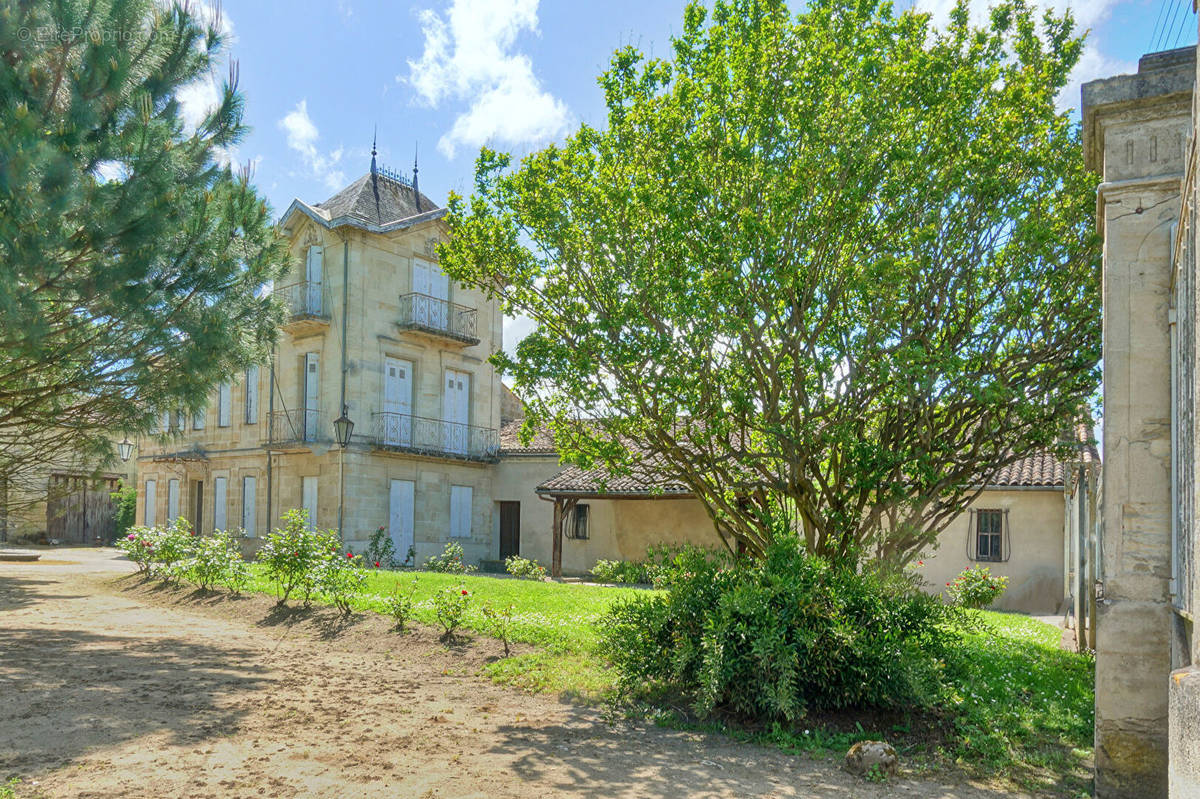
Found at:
[460, 511]
[224, 401]
[220, 502]
[989, 535]
[198, 419]
[150, 503]
[248, 506]
[172, 501]
[252, 395]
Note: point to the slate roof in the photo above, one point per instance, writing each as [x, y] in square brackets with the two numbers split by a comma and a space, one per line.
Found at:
[1042, 470]
[377, 200]
[510, 440]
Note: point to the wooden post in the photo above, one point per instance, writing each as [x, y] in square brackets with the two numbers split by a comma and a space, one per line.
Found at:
[556, 538]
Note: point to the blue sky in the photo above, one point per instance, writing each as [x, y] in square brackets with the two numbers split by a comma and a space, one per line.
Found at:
[449, 75]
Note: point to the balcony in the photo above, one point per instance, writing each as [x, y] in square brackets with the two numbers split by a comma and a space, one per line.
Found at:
[441, 318]
[307, 306]
[297, 428]
[400, 432]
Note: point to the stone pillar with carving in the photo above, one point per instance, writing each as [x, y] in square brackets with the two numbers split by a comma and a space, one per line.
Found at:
[1135, 131]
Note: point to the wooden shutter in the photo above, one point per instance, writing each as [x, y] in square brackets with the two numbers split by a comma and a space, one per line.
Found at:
[249, 506]
[252, 395]
[220, 502]
[224, 405]
[460, 511]
[150, 503]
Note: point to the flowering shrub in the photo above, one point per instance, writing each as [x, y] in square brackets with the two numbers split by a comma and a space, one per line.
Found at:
[621, 571]
[138, 546]
[380, 550]
[450, 608]
[526, 569]
[206, 559]
[976, 588]
[340, 579]
[399, 605]
[499, 622]
[450, 561]
[293, 554]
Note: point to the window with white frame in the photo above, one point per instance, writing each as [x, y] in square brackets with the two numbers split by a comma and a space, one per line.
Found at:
[249, 506]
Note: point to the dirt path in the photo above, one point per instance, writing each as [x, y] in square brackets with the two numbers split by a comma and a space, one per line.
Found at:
[108, 689]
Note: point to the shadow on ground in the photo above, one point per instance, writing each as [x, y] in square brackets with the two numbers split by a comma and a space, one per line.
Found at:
[65, 691]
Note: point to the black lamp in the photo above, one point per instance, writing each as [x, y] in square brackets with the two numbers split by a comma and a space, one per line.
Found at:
[343, 428]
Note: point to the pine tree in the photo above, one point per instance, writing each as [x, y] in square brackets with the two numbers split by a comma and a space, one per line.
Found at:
[133, 258]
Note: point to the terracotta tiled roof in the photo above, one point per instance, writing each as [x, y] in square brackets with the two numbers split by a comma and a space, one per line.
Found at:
[510, 440]
[641, 482]
[1044, 469]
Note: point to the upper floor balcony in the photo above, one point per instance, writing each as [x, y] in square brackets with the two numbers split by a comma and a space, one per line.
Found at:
[441, 318]
[307, 306]
[298, 428]
[402, 432]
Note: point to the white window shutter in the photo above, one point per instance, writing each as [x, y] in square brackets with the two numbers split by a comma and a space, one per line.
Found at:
[249, 506]
[224, 401]
[252, 395]
[220, 498]
[150, 503]
[460, 511]
[172, 501]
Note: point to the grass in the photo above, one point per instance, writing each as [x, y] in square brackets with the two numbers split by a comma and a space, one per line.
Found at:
[1019, 708]
[558, 618]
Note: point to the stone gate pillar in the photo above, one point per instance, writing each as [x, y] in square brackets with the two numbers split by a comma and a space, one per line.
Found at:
[1135, 130]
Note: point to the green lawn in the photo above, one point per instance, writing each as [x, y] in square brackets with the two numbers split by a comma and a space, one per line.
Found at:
[555, 617]
[1021, 708]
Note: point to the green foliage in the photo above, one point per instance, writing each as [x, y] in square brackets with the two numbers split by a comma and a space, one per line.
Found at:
[622, 571]
[125, 499]
[399, 604]
[976, 588]
[9, 789]
[340, 579]
[524, 568]
[138, 546]
[450, 608]
[450, 561]
[499, 623]
[206, 559]
[162, 552]
[381, 553]
[822, 269]
[132, 257]
[777, 637]
[295, 554]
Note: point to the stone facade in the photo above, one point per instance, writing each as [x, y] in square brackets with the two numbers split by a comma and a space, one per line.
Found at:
[1137, 133]
[421, 452]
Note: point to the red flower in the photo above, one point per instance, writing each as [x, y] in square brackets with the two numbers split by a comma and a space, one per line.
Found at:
[376, 564]
[920, 563]
[350, 554]
[464, 592]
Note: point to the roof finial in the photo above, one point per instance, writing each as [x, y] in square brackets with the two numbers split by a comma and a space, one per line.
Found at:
[416, 187]
[374, 138]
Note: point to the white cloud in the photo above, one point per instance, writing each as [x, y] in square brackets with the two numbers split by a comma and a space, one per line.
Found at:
[515, 329]
[469, 57]
[1088, 13]
[302, 136]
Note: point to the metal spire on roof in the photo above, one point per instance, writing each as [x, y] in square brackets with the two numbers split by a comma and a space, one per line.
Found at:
[416, 188]
[374, 138]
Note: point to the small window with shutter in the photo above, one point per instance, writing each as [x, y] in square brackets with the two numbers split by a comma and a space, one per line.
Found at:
[989, 538]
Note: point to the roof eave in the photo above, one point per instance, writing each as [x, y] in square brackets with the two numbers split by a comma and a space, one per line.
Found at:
[347, 220]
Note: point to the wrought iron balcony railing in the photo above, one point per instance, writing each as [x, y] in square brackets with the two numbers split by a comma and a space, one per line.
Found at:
[305, 300]
[441, 317]
[297, 426]
[435, 437]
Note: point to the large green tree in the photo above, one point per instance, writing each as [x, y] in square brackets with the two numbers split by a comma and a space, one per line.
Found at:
[132, 257]
[831, 270]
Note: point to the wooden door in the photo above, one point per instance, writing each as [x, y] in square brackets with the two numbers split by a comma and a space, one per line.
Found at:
[80, 510]
[510, 529]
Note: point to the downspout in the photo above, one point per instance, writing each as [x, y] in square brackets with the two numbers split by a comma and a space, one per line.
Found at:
[1173, 328]
[270, 421]
[342, 454]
